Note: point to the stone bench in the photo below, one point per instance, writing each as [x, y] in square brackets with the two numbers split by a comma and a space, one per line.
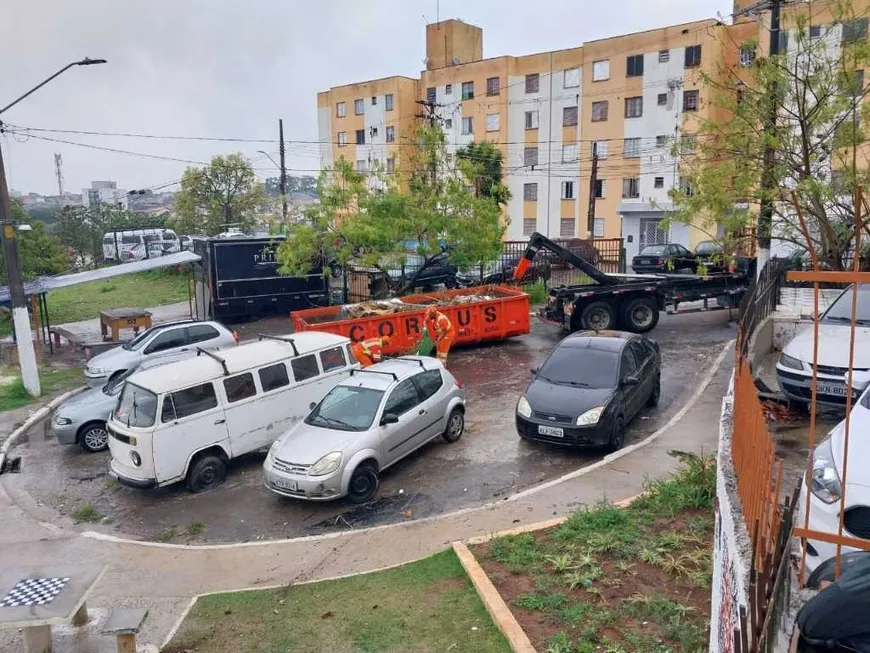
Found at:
[124, 624]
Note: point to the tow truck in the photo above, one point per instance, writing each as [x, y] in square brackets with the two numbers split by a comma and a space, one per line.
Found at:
[631, 302]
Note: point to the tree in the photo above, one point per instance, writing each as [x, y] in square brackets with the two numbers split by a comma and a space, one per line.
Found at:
[39, 253]
[817, 93]
[371, 220]
[223, 194]
[482, 162]
[77, 229]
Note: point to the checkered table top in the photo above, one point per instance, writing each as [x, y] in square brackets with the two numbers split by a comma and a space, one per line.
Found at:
[33, 591]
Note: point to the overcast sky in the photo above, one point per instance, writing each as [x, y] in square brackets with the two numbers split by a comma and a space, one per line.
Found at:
[227, 68]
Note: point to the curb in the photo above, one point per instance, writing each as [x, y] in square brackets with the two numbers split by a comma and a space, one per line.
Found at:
[39, 415]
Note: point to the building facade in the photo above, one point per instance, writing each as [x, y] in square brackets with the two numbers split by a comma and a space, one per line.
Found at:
[105, 192]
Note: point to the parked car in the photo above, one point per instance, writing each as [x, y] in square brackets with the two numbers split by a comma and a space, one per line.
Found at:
[366, 423]
[81, 419]
[794, 370]
[711, 254]
[589, 389]
[160, 339]
[439, 271]
[502, 271]
[582, 248]
[184, 421]
[664, 259]
[826, 487]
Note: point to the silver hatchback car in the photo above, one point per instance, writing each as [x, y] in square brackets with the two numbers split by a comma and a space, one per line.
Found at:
[366, 423]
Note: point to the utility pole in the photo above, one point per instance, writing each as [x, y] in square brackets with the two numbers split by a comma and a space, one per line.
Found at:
[593, 183]
[58, 171]
[765, 215]
[433, 119]
[283, 170]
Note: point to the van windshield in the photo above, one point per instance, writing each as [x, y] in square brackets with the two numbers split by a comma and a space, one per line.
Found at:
[136, 406]
[347, 409]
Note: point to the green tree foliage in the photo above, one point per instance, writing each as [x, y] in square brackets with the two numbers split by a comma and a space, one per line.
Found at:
[221, 195]
[369, 220]
[39, 253]
[822, 116]
[481, 162]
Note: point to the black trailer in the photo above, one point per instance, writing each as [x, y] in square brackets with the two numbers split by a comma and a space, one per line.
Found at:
[238, 279]
[628, 302]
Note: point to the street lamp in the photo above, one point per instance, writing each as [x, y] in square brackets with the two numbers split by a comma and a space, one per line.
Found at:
[20, 318]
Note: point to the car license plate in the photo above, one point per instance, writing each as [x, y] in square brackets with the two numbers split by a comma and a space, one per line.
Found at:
[551, 430]
[284, 484]
[831, 389]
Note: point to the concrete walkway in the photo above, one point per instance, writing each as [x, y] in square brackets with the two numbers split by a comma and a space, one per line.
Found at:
[165, 577]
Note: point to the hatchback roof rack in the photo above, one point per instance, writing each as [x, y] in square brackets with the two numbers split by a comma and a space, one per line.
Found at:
[288, 339]
[402, 359]
[212, 355]
[362, 369]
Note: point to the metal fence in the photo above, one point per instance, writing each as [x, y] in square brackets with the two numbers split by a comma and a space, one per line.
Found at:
[759, 301]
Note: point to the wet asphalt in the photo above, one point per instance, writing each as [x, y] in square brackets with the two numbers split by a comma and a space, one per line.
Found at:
[490, 462]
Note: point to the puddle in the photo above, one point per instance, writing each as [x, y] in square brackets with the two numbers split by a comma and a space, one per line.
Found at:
[397, 507]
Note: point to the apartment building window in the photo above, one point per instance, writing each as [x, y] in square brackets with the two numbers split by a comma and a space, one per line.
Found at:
[388, 102]
[570, 153]
[599, 111]
[634, 107]
[374, 100]
[448, 89]
[362, 165]
[340, 110]
[448, 123]
[634, 65]
[529, 226]
[342, 139]
[690, 101]
[659, 182]
[600, 70]
[530, 192]
[430, 94]
[853, 31]
[632, 148]
[661, 140]
[532, 119]
[566, 227]
[493, 86]
[747, 55]
[467, 126]
[493, 122]
[630, 187]
[687, 187]
[530, 156]
[600, 148]
[688, 143]
[600, 188]
[569, 116]
[373, 131]
[664, 56]
[567, 190]
[662, 99]
[359, 107]
[533, 83]
[815, 31]
[391, 165]
[598, 228]
[693, 56]
[571, 78]
[467, 90]
[390, 136]
[360, 136]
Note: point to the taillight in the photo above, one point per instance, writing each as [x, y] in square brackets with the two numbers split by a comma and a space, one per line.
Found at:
[236, 336]
[457, 382]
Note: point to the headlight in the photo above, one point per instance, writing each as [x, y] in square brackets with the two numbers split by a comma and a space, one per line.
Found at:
[790, 361]
[273, 450]
[62, 421]
[523, 407]
[825, 481]
[98, 371]
[136, 458]
[326, 465]
[590, 417]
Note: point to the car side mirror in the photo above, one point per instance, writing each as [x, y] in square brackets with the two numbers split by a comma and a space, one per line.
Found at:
[860, 380]
[312, 405]
[389, 418]
[631, 379]
[534, 370]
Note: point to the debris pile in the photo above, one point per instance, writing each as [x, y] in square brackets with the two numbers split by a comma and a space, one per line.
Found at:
[375, 308]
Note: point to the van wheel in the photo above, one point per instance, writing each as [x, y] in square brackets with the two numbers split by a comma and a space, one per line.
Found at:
[597, 316]
[206, 473]
[455, 426]
[363, 484]
[94, 437]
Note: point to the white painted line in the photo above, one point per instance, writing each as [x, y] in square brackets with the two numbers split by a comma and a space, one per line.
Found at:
[702, 386]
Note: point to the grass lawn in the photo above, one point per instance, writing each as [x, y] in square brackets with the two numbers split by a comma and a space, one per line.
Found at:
[632, 580]
[52, 380]
[421, 607]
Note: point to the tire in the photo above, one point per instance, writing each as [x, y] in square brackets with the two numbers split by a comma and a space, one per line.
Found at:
[597, 316]
[363, 484]
[206, 473]
[455, 426]
[640, 315]
[654, 396]
[617, 435]
[94, 437]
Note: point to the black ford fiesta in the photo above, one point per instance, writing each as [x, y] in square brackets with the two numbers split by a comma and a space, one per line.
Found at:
[589, 389]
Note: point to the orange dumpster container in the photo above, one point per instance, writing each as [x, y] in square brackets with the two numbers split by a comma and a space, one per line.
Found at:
[501, 312]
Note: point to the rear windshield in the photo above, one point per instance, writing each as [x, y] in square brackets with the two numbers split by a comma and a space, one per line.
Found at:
[581, 367]
[841, 310]
[655, 250]
[347, 409]
[136, 406]
[708, 247]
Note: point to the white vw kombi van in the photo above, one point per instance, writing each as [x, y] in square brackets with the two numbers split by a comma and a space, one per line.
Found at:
[184, 421]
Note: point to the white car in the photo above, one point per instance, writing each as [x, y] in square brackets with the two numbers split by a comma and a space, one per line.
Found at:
[794, 370]
[826, 481]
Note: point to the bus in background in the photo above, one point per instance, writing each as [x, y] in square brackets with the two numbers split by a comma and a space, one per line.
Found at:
[139, 244]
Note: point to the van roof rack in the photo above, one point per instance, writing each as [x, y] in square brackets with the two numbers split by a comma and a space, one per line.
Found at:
[214, 356]
[402, 359]
[392, 374]
[292, 342]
